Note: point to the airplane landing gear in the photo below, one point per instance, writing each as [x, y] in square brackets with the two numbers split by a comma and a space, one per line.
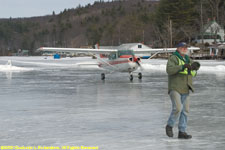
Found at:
[103, 76]
[139, 75]
[131, 77]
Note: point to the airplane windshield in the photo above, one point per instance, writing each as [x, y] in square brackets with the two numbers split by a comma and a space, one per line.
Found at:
[125, 52]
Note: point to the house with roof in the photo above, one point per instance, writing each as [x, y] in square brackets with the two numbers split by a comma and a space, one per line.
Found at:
[212, 33]
[22, 53]
[129, 46]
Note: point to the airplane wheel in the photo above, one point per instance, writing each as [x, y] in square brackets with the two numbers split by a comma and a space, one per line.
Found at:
[103, 76]
[131, 77]
[139, 75]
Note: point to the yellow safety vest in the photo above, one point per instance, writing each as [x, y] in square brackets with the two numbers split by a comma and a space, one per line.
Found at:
[185, 71]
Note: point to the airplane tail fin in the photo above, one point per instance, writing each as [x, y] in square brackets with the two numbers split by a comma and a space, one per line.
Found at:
[97, 46]
[100, 55]
[9, 63]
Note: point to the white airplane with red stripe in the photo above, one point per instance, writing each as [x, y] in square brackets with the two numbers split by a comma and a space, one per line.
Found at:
[115, 60]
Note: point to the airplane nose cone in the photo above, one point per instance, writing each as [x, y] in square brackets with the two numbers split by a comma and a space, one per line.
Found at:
[137, 59]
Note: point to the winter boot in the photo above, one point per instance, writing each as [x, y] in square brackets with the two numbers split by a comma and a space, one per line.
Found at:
[184, 135]
[169, 131]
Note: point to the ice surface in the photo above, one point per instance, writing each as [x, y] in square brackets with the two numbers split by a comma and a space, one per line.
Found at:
[58, 102]
[208, 67]
[8, 67]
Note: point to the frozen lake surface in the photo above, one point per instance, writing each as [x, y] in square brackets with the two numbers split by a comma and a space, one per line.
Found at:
[51, 102]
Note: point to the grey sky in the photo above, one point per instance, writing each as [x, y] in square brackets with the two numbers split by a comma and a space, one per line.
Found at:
[29, 8]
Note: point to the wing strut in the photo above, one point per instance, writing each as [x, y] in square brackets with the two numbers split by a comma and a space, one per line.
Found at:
[153, 55]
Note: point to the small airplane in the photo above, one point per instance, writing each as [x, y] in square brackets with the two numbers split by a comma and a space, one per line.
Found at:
[116, 60]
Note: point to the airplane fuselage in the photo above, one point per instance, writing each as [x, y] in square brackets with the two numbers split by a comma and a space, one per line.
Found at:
[119, 64]
[122, 61]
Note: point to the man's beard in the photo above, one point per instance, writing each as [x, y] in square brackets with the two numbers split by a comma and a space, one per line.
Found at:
[183, 53]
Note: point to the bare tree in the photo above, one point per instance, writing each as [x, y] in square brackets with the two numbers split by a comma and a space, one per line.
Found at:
[214, 5]
[162, 35]
[188, 32]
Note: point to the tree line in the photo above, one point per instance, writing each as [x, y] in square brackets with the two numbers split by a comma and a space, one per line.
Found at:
[158, 23]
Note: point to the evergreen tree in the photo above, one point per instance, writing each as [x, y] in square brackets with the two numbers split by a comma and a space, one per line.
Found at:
[176, 20]
[181, 12]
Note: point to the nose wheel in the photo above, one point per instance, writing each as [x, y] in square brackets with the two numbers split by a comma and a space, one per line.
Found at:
[139, 75]
[103, 76]
[131, 77]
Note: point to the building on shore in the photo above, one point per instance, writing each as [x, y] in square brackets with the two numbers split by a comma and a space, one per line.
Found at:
[129, 46]
[216, 51]
[212, 33]
[21, 53]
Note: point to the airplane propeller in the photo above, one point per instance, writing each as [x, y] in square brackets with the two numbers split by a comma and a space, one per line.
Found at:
[138, 63]
[137, 60]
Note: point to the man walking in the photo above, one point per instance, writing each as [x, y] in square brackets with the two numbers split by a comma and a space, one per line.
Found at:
[180, 69]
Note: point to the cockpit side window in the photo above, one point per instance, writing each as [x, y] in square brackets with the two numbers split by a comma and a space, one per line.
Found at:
[125, 52]
[112, 56]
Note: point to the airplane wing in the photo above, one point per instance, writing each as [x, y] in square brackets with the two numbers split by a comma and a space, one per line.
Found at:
[161, 50]
[77, 50]
[155, 50]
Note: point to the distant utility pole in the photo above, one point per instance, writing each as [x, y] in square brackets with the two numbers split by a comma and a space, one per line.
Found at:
[119, 36]
[201, 24]
[171, 33]
[143, 36]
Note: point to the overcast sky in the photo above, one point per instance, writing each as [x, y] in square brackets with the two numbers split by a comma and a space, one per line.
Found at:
[29, 8]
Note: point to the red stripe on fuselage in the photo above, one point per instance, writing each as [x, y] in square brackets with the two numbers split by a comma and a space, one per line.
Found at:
[115, 62]
[103, 56]
[118, 62]
[126, 56]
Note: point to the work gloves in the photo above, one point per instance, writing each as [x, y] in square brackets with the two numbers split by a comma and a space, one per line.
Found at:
[187, 66]
[194, 66]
